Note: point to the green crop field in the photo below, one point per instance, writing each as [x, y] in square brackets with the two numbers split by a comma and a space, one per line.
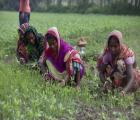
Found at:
[25, 96]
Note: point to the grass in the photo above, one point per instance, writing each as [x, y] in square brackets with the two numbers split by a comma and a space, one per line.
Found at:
[25, 96]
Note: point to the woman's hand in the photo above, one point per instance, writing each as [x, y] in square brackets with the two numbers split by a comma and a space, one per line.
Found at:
[77, 88]
[22, 60]
[46, 77]
[123, 93]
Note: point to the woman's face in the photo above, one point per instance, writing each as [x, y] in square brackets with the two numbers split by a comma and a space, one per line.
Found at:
[114, 46]
[31, 38]
[53, 44]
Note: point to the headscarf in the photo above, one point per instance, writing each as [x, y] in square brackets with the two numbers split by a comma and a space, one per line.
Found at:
[54, 32]
[65, 55]
[125, 52]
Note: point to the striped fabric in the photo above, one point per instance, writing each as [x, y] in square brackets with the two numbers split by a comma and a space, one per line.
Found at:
[76, 66]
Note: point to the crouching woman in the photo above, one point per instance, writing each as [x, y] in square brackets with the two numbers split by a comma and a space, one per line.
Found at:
[118, 63]
[62, 58]
[30, 45]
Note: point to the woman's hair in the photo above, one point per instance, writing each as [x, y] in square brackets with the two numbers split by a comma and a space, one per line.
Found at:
[50, 37]
[25, 36]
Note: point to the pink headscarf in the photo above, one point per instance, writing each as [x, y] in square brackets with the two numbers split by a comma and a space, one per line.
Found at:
[53, 31]
[125, 51]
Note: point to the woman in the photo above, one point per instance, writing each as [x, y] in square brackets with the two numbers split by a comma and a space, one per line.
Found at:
[115, 54]
[33, 45]
[21, 51]
[63, 57]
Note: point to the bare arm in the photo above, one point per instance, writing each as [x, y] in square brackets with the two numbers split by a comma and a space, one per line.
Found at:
[77, 78]
[130, 77]
[101, 73]
[42, 63]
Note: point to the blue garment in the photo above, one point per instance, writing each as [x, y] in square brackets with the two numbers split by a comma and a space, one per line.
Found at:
[25, 19]
[76, 66]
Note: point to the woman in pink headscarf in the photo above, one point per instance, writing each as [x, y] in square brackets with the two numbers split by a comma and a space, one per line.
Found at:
[63, 58]
[118, 63]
